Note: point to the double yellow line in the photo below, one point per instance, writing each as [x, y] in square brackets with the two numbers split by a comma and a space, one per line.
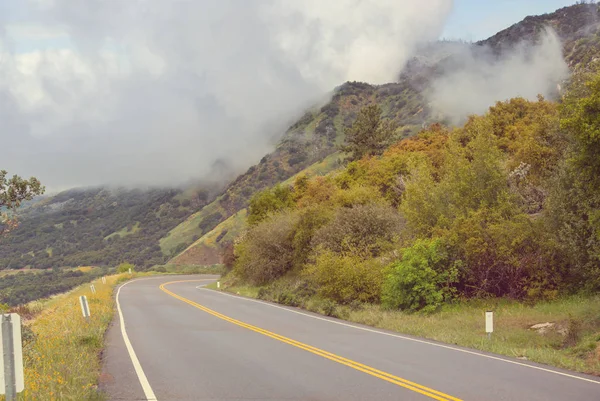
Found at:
[431, 393]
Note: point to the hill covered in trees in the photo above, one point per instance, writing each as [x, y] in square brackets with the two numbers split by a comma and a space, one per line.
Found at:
[505, 206]
[146, 227]
[98, 226]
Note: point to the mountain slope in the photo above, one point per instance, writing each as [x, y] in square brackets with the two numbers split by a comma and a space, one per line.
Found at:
[318, 132]
[97, 226]
[311, 140]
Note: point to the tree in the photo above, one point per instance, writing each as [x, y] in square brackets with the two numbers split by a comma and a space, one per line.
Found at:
[369, 135]
[13, 191]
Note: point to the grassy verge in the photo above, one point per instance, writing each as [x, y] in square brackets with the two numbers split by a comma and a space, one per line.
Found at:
[572, 343]
[61, 351]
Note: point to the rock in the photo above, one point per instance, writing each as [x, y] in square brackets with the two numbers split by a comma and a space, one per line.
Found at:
[542, 328]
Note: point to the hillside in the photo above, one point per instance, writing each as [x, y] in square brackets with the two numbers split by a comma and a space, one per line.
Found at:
[318, 132]
[146, 227]
[312, 140]
[578, 26]
[98, 226]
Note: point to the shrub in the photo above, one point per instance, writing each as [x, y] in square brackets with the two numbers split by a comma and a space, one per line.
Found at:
[310, 220]
[421, 280]
[363, 229]
[346, 278]
[267, 202]
[124, 267]
[266, 251]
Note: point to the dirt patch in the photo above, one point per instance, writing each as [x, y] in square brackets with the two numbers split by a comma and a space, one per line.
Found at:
[198, 255]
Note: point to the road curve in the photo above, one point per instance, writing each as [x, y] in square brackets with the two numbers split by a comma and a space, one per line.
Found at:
[190, 343]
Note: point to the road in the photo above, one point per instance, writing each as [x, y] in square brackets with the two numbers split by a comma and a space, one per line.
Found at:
[184, 342]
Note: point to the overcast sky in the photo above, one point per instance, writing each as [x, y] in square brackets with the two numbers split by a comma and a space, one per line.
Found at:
[153, 92]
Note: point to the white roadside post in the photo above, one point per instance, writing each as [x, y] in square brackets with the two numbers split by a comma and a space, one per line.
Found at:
[12, 380]
[218, 284]
[489, 323]
[93, 288]
[130, 270]
[85, 308]
[103, 280]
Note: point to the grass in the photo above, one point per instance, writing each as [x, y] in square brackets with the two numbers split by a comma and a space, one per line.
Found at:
[61, 351]
[185, 232]
[124, 231]
[574, 344]
[188, 269]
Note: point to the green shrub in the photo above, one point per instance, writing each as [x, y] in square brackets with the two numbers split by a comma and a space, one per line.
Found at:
[265, 203]
[346, 278]
[421, 279]
[124, 267]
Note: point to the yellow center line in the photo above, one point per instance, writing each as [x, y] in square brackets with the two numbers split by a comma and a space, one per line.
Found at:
[431, 393]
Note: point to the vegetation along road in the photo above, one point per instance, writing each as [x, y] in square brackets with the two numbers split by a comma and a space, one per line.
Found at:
[175, 340]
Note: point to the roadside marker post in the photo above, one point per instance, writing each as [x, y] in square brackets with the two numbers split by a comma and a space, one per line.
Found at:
[12, 380]
[103, 280]
[489, 323]
[85, 308]
[130, 270]
[93, 288]
[218, 284]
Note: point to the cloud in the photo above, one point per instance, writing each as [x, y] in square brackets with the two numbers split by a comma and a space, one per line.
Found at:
[153, 92]
[475, 78]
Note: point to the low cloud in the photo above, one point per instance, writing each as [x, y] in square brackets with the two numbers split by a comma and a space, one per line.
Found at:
[153, 93]
[475, 78]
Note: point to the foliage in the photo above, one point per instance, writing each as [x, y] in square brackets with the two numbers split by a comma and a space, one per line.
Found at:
[364, 229]
[267, 251]
[23, 287]
[478, 190]
[421, 280]
[573, 208]
[13, 192]
[62, 354]
[125, 267]
[346, 278]
[267, 202]
[369, 135]
[83, 227]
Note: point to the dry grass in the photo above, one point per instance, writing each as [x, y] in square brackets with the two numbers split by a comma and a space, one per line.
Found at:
[61, 350]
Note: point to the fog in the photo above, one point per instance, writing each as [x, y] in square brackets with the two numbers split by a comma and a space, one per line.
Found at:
[476, 78]
[154, 92]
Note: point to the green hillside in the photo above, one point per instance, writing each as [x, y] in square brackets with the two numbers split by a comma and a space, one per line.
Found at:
[312, 142]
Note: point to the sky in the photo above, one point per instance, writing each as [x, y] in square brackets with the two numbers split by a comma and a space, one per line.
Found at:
[474, 20]
[154, 92]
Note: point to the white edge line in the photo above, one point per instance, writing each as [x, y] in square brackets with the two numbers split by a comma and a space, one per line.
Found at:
[404, 337]
[148, 393]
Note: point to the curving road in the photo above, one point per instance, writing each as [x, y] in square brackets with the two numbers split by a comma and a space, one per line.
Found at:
[183, 342]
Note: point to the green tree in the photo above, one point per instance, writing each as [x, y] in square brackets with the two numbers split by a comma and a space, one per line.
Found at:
[13, 191]
[269, 201]
[421, 280]
[369, 135]
[574, 203]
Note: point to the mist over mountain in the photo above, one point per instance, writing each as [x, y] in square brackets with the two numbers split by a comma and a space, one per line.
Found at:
[153, 93]
[172, 116]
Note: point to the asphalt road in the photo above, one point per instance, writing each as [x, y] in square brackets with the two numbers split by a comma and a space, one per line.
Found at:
[196, 344]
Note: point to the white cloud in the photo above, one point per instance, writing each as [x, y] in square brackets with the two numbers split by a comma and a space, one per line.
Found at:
[481, 78]
[154, 92]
